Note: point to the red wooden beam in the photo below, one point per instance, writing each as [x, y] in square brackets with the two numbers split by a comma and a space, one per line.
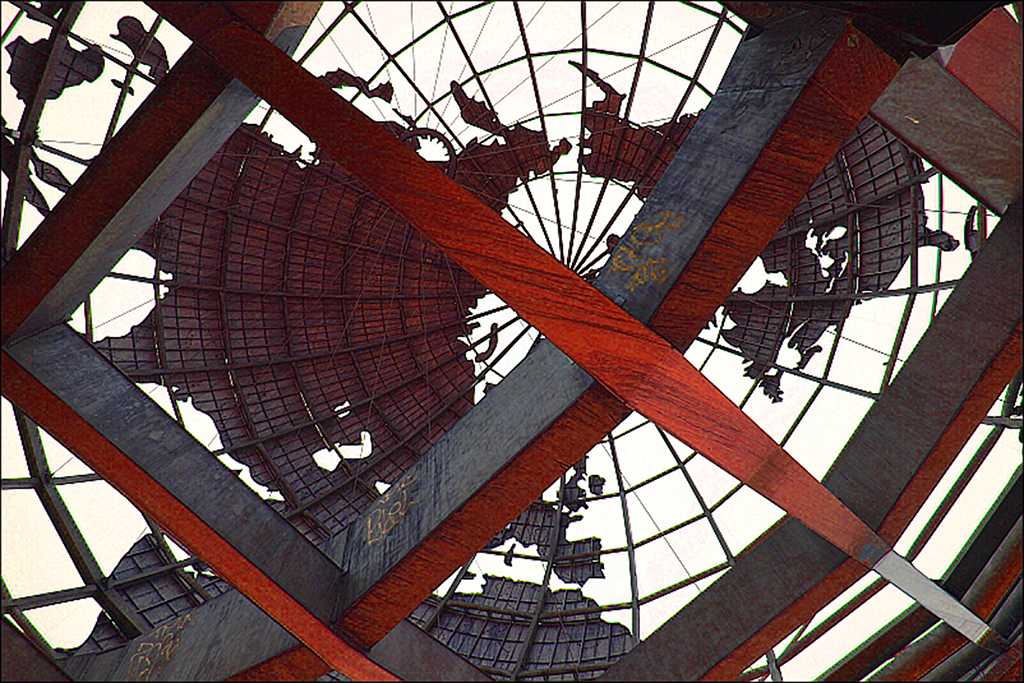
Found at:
[637, 365]
[641, 368]
[765, 184]
[793, 155]
[50, 274]
[888, 467]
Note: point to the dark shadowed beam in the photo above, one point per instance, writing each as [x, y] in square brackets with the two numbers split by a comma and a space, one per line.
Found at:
[642, 369]
[765, 191]
[636, 364]
[231, 635]
[903, 27]
[407, 650]
[175, 131]
[22, 660]
[958, 369]
[1007, 667]
[959, 106]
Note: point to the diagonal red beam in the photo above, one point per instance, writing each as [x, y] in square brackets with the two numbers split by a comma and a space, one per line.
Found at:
[774, 155]
[987, 276]
[642, 369]
[637, 365]
[975, 406]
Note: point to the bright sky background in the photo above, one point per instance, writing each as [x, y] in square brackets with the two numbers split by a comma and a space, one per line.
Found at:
[33, 560]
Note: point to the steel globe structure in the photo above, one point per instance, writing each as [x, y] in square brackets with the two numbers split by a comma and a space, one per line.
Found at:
[396, 414]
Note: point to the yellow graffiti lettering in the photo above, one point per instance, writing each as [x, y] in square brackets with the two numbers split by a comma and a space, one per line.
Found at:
[391, 509]
[645, 270]
[157, 649]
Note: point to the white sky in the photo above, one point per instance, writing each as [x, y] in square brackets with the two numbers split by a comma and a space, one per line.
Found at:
[33, 560]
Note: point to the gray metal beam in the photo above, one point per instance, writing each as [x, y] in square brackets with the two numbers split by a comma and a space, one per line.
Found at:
[200, 652]
[721, 155]
[173, 165]
[414, 655]
[723, 191]
[396, 547]
[920, 656]
[123, 434]
[979, 322]
[126, 618]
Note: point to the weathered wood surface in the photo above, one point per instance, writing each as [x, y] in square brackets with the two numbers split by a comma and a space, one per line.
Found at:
[549, 412]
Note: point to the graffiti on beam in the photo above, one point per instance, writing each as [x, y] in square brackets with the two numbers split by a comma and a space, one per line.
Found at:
[155, 650]
[629, 256]
[391, 509]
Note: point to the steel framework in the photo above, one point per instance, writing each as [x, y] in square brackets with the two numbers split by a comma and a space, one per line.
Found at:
[798, 128]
